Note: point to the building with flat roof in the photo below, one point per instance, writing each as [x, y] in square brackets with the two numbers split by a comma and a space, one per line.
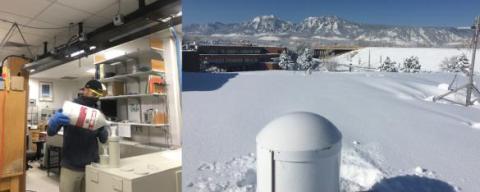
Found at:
[231, 58]
[329, 51]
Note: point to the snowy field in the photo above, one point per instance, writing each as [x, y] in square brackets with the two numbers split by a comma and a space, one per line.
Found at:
[430, 58]
[394, 137]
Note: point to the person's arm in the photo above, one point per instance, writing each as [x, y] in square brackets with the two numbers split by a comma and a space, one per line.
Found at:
[102, 134]
[56, 122]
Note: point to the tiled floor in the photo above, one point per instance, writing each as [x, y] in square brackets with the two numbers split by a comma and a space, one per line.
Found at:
[38, 181]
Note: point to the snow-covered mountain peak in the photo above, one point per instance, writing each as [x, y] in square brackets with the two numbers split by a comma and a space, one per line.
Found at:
[263, 18]
[268, 23]
[333, 29]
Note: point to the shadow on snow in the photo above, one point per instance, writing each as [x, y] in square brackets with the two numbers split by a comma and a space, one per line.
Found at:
[205, 81]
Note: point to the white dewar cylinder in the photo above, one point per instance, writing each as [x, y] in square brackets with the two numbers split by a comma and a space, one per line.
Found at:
[299, 152]
[83, 116]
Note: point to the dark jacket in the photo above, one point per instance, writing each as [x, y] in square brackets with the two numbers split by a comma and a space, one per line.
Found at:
[80, 146]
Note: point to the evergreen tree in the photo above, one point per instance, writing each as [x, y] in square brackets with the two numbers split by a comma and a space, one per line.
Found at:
[285, 61]
[388, 66]
[449, 63]
[411, 65]
[305, 60]
[462, 64]
[456, 64]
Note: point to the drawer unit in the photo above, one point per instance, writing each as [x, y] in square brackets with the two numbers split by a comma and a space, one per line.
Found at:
[155, 172]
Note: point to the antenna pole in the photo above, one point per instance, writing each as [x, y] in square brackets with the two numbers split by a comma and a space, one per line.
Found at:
[474, 51]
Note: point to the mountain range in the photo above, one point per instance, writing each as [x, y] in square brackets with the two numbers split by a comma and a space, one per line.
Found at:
[326, 30]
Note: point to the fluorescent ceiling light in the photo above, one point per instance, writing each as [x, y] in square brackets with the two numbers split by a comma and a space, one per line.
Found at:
[92, 48]
[116, 63]
[77, 53]
[165, 20]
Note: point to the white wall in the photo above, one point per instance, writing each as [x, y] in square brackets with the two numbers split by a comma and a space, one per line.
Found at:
[62, 90]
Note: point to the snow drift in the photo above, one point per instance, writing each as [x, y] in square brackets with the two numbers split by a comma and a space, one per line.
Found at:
[395, 139]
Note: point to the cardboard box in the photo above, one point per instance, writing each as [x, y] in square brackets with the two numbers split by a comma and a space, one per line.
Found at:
[42, 126]
[98, 58]
[160, 118]
[34, 135]
[156, 43]
[16, 83]
[116, 88]
[157, 65]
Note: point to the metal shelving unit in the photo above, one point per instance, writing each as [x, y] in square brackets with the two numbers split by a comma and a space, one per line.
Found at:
[143, 124]
[137, 77]
[132, 96]
[131, 76]
[129, 56]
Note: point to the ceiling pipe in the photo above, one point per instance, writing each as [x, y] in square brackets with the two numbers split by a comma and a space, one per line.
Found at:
[80, 28]
[45, 47]
[141, 3]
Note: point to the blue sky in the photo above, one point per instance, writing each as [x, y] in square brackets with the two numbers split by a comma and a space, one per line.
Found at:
[393, 12]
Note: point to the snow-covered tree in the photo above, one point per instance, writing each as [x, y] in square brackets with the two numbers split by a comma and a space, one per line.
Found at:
[305, 60]
[463, 64]
[331, 65]
[204, 65]
[448, 64]
[214, 69]
[411, 65]
[388, 66]
[286, 61]
[456, 64]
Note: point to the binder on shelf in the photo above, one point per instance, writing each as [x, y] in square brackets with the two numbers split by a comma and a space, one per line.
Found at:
[156, 84]
[134, 112]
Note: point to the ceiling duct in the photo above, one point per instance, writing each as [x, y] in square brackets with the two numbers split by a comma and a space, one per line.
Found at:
[141, 22]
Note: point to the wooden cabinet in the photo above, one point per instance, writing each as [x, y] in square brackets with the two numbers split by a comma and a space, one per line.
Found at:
[13, 121]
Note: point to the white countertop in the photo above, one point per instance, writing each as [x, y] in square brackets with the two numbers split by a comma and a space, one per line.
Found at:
[142, 165]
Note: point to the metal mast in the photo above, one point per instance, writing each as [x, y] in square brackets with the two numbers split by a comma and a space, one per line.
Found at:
[474, 51]
[470, 86]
